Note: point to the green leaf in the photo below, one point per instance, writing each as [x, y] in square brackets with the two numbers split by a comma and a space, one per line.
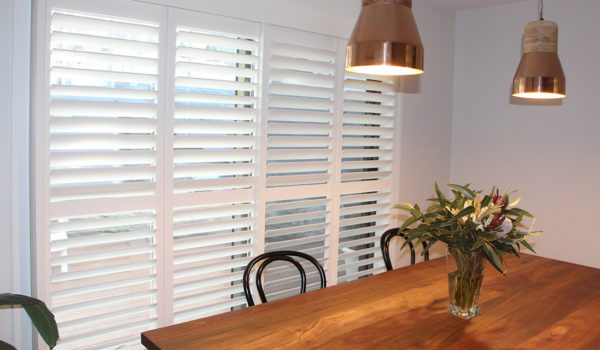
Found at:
[411, 220]
[404, 206]
[466, 211]
[464, 190]
[480, 242]
[42, 318]
[486, 200]
[434, 207]
[441, 198]
[493, 257]
[527, 245]
[520, 212]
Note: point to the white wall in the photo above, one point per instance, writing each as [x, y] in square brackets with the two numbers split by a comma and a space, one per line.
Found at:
[427, 108]
[332, 17]
[551, 153]
[15, 327]
[427, 114]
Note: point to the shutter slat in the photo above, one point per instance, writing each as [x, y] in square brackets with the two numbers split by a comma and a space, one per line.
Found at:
[368, 108]
[212, 55]
[216, 84]
[312, 53]
[211, 226]
[300, 90]
[213, 155]
[282, 62]
[292, 180]
[231, 183]
[297, 167]
[215, 40]
[213, 141]
[304, 116]
[213, 170]
[301, 78]
[63, 193]
[65, 176]
[362, 231]
[72, 276]
[283, 154]
[212, 71]
[100, 239]
[369, 96]
[212, 254]
[217, 99]
[98, 76]
[145, 49]
[210, 268]
[102, 125]
[102, 92]
[85, 24]
[217, 113]
[204, 242]
[299, 141]
[126, 63]
[300, 129]
[70, 108]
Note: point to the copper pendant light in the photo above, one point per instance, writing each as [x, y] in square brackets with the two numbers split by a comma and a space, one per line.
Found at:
[385, 40]
[540, 75]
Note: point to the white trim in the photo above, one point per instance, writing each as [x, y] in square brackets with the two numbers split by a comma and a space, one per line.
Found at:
[164, 197]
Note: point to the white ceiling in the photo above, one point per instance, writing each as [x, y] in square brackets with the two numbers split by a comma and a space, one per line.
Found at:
[465, 4]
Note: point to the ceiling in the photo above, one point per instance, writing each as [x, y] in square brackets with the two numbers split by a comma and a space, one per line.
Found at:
[466, 4]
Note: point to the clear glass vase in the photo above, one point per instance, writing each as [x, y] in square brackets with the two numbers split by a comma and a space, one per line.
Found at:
[465, 275]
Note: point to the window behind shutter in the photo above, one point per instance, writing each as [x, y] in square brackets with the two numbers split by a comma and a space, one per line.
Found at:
[368, 138]
[214, 145]
[102, 126]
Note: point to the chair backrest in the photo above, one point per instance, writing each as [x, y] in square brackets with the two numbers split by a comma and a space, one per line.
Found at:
[283, 255]
[386, 238]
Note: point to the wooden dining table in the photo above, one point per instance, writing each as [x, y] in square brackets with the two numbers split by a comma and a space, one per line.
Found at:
[540, 304]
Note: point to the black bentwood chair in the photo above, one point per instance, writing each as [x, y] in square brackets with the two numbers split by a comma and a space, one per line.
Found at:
[386, 238]
[265, 259]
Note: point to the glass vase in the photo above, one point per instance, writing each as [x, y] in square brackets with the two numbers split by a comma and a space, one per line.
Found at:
[465, 275]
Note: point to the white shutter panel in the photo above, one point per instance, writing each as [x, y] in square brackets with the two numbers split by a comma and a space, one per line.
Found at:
[214, 145]
[300, 109]
[298, 145]
[102, 177]
[368, 138]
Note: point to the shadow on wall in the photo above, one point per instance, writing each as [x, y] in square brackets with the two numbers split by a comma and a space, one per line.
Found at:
[410, 84]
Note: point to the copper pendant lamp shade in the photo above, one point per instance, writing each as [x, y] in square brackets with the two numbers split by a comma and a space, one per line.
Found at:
[385, 40]
[540, 74]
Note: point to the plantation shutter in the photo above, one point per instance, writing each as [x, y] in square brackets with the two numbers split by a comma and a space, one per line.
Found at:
[101, 180]
[366, 173]
[174, 146]
[300, 91]
[214, 156]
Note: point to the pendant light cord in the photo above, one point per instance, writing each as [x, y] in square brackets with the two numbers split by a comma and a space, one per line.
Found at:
[541, 9]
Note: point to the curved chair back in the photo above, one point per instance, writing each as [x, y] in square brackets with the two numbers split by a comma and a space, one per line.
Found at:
[386, 238]
[283, 255]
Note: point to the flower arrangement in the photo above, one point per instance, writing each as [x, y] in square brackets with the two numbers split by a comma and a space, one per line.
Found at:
[489, 224]
[475, 227]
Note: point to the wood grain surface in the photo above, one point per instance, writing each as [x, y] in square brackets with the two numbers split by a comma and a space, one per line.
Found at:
[540, 304]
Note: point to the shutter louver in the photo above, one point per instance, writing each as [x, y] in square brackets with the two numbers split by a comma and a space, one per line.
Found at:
[214, 147]
[368, 138]
[102, 178]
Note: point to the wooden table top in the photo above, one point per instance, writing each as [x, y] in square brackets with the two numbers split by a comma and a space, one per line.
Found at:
[540, 304]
